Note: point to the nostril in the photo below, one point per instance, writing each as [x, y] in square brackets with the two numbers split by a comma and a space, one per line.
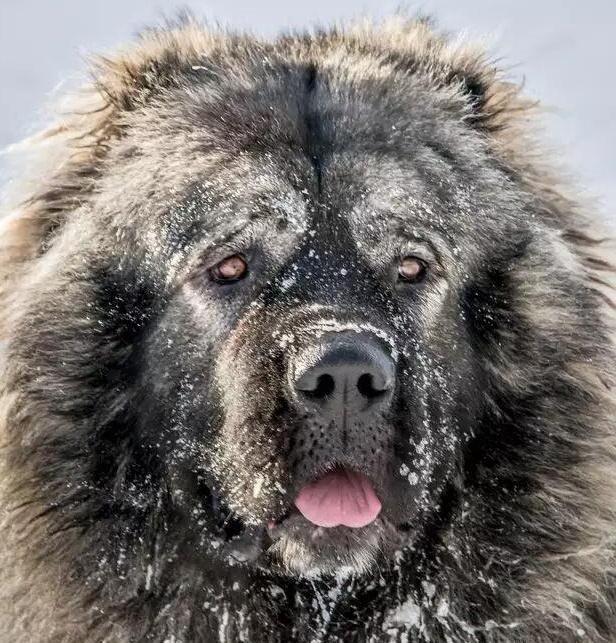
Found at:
[325, 386]
[341, 374]
[367, 388]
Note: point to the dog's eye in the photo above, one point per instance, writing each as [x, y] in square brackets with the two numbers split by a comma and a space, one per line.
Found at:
[230, 269]
[412, 270]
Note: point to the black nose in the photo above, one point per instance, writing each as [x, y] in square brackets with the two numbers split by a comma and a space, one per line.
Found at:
[345, 373]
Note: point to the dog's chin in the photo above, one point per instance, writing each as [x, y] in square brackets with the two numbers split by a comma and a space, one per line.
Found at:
[304, 549]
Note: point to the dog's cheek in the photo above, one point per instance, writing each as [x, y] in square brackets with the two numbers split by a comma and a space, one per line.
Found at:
[249, 452]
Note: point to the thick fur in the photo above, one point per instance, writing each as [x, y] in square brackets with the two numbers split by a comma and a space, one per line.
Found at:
[106, 534]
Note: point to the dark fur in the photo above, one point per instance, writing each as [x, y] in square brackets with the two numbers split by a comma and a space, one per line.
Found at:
[146, 435]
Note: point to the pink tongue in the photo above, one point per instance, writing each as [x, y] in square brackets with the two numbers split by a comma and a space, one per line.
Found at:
[340, 497]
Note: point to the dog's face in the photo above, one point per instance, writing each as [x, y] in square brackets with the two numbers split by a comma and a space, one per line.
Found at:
[309, 380]
[309, 343]
[295, 294]
[316, 343]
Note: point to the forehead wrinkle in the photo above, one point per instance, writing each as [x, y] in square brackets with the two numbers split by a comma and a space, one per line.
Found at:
[450, 210]
[243, 191]
[262, 183]
[393, 201]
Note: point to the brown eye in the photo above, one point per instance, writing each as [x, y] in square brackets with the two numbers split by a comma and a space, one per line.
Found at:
[412, 270]
[232, 268]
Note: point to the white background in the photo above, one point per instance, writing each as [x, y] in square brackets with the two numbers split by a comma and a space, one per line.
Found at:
[564, 49]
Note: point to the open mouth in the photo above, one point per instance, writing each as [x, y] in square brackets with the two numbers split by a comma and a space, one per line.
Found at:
[335, 521]
[339, 498]
[335, 524]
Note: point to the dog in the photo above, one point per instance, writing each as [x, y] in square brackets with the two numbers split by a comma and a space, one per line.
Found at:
[304, 341]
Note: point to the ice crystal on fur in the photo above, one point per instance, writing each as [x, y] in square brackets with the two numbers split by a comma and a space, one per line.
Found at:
[159, 420]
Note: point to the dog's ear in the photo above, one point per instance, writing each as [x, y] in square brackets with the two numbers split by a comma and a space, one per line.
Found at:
[161, 58]
[414, 45]
[59, 167]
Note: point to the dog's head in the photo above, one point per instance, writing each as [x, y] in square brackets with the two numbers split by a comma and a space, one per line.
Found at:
[302, 311]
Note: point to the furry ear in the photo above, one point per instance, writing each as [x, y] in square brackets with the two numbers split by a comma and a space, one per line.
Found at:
[487, 100]
[161, 58]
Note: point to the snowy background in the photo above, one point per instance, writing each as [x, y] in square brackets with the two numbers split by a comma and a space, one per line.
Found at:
[564, 49]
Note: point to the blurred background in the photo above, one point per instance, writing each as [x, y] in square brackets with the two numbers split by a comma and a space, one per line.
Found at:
[564, 50]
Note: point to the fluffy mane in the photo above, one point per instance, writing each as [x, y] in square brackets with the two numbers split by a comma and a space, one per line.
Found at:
[551, 579]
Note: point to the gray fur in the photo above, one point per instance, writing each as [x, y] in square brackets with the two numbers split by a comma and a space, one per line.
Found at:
[145, 438]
